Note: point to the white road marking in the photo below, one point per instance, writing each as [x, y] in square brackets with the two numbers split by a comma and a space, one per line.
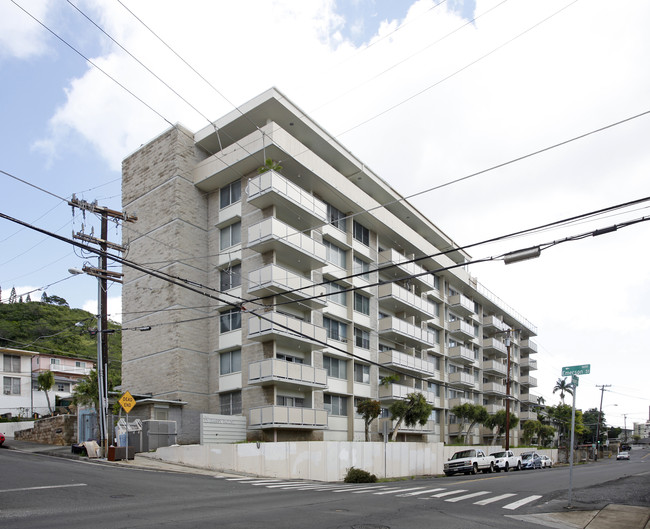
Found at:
[495, 498]
[468, 496]
[394, 491]
[420, 492]
[46, 487]
[443, 494]
[517, 504]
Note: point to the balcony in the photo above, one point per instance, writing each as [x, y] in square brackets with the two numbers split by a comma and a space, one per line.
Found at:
[528, 398]
[527, 416]
[295, 247]
[495, 346]
[494, 367]
[302, 208]
[65, 369]
[399, 299]
[410, 363]
[530, 363]
[461, 330]
[528, 346]
[274, 279]
[394, 392]
[274, 371]
[286, 417]
[527, 380]
[458, 401]
[493, 324]
[400, 331]
[462, 379]
[493, 408]
[461, 354]
[494, 388]
[391, 257]
[429, 428]
[461, 305]
[285, 330]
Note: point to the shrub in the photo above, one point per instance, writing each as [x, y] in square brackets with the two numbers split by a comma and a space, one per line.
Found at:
[356, 475]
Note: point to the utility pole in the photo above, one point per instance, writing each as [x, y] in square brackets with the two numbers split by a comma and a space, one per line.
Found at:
[625, 427]
[103, 276]
[600, 415]
[508, 393]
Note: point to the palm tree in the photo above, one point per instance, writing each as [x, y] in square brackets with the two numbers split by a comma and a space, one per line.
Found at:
[563, 387]
[45, 383]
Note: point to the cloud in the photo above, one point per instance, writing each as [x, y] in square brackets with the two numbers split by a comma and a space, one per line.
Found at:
[114, 308]
[20, 36]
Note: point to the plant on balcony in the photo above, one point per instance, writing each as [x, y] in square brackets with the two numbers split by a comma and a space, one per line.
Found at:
[414, 410]
[269, 165]
[472, 414]
[369, 409]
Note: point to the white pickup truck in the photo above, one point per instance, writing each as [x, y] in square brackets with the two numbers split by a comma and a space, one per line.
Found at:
[506, 460]
[469, 462]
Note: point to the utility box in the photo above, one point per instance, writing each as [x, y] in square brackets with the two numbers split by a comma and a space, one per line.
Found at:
[156, 434]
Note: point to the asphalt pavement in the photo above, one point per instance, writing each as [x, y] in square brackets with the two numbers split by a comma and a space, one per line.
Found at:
[580, 516]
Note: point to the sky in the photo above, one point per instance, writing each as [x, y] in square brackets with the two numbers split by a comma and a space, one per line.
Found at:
[487, 92]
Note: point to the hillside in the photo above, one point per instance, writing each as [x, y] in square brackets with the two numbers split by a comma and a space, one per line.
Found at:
[52, 328]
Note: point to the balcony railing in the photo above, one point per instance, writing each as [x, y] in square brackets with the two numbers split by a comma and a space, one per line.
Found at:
[429, 428]
[494, 388]
[528, 381]
[406, 332]
[61, 368]
[286, 417]
[458, 401]
[462, 354]
[271, 188]
[296, 247]
[273, 279]
[495, 367]
[286, 330]
[407, 301]
[274, 370]
[461, 328]
[528, 398]
[461, 304]
[460, 378]
[530, 363]
[400, 392]
[494, 345]
[408, 362]
[528, 346]
[390, 256]
[494, 323]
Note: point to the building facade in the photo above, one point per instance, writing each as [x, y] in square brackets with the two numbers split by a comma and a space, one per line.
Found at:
[314, 285]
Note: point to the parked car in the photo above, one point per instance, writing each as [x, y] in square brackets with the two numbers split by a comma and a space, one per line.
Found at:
[506, 460]
[547, 462]
[469, 462]
[623, 455]
[530, 460]
[2, 439]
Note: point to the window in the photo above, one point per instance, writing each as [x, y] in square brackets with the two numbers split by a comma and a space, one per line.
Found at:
[230, 362]
[291, 402]
[335, 368]
[361, 267]
[361, 338]
[63, 386]
[336, 293]
[336, 218]
[230, 277]
[230, 235]
[230, 403]
[230, 194]
[336, 405]
[361, 233]
[80, 364]
[362, 373]
[361, 303]
[54, 361]
[230, 320]
[433, 388]
[11, 363]
[10, 386]
[334, 254]
[336, 330]
[289, 358]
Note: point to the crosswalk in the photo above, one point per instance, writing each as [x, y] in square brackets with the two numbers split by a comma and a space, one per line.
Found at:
[403, 491]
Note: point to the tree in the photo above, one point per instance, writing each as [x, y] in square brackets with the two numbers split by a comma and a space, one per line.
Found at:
[614, 432]
[415, 409]
[590, 421]
[546, 434]
[269, 165]
[561, 416]
[498, 422]
[12, 295]
[86, 391]
[28, 299]
[472, 414]
[45, 383]
[369, 409]
[56, 300]
[563, 387]
[531, 429]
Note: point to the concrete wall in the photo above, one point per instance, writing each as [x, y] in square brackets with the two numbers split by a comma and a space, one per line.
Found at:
[8, 428]
[60, 430]
[320, 461]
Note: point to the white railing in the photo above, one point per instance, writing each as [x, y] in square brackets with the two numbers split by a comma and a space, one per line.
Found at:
[460, 377]
[493, 365]
[284, 324]
[276, 369]
[402, 327]
[276, 275]
[391, 256]
[493, 343]
[408, 361]
[409, 298]
[279, 416]
[274, 229]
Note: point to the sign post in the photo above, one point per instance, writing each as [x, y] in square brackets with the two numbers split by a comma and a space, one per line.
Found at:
[127, 402]
[574, 371]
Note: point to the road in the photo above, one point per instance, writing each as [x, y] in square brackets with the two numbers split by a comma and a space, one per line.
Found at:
[41, 491]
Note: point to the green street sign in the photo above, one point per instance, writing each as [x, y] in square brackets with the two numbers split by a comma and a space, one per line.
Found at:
[576, 370]
[574, 380]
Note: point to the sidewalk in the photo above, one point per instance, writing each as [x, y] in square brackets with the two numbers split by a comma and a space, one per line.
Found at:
[612, 516]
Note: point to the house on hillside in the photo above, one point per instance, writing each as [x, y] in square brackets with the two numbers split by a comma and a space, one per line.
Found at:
[67, 373]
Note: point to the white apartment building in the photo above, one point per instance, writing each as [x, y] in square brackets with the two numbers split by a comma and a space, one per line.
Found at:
[293, 362]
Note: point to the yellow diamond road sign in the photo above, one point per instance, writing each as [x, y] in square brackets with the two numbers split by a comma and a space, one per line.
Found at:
[127, 402]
